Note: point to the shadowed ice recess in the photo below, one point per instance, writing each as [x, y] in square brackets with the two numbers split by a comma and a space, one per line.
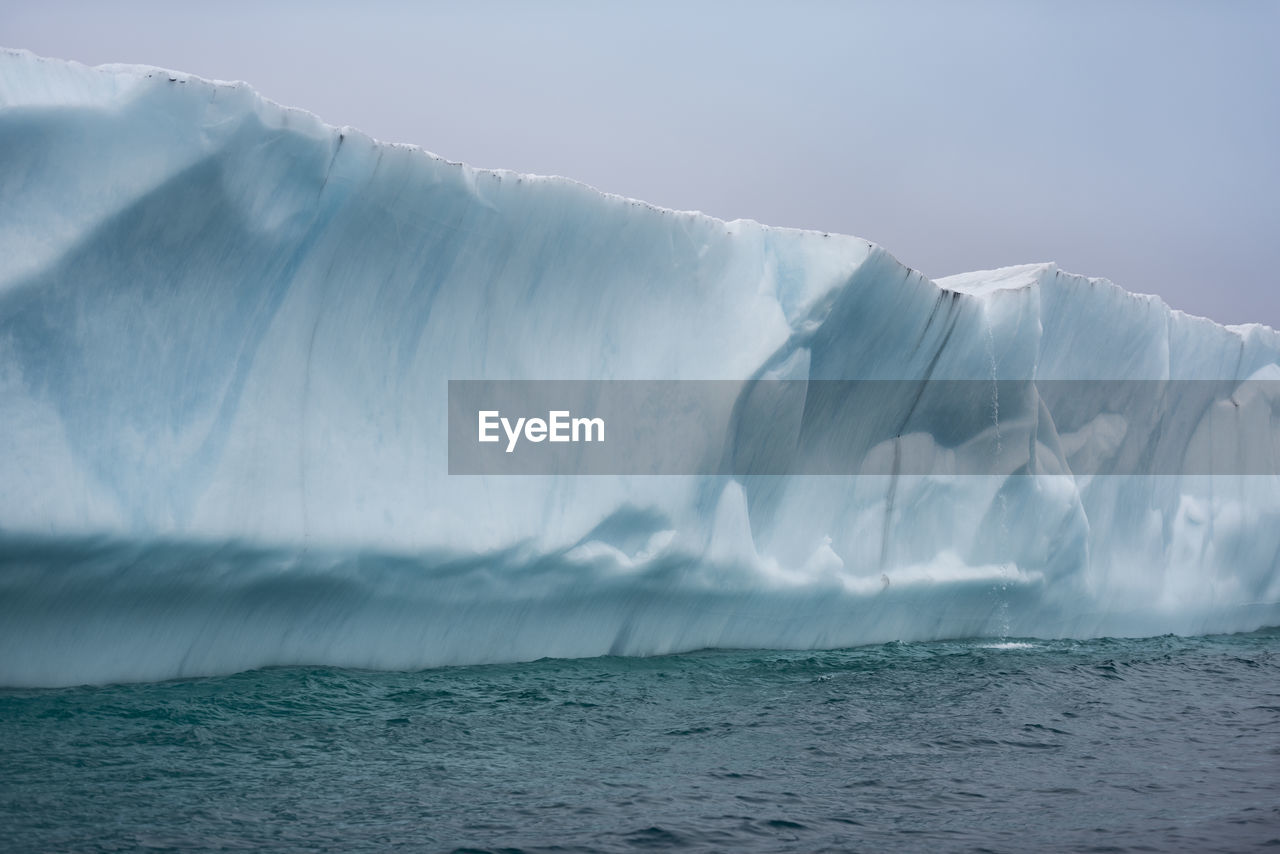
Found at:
[226, 334]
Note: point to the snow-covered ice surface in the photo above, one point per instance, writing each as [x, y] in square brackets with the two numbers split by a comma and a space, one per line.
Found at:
[226, 331]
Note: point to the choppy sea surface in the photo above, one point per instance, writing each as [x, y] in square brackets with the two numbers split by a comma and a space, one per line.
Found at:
[1163, 744]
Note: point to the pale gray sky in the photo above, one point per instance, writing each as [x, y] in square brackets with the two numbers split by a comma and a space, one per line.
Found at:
[1132, 140]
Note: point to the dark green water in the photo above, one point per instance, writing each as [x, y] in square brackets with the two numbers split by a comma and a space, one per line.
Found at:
[1107, 745]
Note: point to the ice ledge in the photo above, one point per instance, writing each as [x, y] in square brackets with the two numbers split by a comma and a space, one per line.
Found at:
[981, 282]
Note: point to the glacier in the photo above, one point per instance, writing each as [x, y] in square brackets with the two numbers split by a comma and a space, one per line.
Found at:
[226, 335]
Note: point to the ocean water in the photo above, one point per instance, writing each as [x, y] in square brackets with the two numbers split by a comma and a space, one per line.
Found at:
[1164, 744]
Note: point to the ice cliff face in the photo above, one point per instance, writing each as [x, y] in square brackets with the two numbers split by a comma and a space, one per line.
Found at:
[226, 331]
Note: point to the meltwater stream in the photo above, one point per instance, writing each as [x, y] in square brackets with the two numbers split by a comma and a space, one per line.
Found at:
[1166, 744]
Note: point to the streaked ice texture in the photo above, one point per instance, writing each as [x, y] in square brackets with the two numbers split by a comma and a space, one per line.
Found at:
[226, 331]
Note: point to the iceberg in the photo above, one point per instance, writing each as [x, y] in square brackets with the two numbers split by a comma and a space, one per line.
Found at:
[227, 335]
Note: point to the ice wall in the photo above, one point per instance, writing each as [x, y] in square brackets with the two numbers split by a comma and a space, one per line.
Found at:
[226, 331]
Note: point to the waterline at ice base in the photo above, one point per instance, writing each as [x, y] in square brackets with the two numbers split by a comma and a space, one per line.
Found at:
[227, 332]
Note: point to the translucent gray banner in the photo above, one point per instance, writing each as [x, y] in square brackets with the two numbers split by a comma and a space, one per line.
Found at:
[864, 427]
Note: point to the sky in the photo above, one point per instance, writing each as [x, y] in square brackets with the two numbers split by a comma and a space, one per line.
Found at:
[1132, 140]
